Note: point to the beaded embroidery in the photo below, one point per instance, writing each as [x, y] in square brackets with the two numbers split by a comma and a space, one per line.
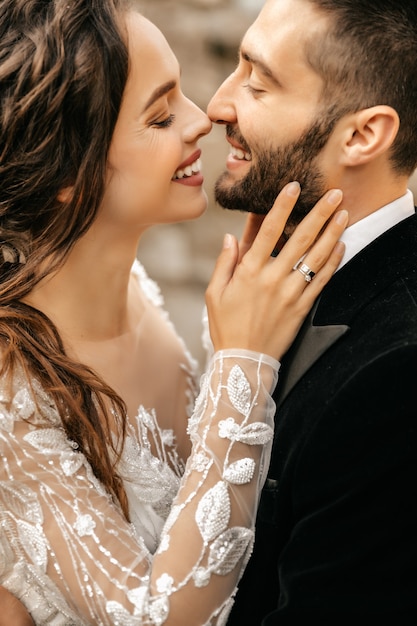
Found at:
[65, 549]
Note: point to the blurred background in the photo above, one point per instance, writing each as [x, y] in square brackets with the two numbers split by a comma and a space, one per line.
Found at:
[205, 36]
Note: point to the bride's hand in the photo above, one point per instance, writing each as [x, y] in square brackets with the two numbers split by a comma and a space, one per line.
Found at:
[258, 302]
[12, 611]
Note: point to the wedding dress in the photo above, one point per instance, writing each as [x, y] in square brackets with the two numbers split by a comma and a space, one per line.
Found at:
[65, 548]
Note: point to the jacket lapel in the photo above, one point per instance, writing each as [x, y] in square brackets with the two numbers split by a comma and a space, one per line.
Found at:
[311, 342]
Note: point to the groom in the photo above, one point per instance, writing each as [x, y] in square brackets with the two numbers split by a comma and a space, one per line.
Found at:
[325, 92]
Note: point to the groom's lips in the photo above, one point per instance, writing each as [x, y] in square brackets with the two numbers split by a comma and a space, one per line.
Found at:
[235, 144]
[234, 161]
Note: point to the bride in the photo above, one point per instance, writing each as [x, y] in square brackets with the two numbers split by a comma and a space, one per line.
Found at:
[123, 499]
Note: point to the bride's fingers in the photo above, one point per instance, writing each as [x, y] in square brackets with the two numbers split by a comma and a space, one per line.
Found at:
[273, 224]
[310, 228]
[312, 282]
[310, 264]
[224, 267]
[252, 226]
[315, 268]
[301, 298]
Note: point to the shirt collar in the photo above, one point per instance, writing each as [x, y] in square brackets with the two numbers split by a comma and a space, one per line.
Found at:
[362, 233]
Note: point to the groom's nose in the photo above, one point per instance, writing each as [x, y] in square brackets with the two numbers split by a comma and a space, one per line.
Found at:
[221, 108]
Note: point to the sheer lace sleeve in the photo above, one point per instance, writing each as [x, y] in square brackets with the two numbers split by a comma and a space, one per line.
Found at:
[65, 548]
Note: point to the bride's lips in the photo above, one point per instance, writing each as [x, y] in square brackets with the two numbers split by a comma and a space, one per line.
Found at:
[191, 159]
[189, 172]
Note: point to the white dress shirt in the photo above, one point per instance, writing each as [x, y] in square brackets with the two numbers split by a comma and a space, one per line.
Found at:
[362, 233]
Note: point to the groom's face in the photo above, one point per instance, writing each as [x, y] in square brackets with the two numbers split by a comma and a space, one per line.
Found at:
[276, 122]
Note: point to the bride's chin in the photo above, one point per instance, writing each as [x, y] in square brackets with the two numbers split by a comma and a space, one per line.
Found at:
[192, 210]
[199, 210]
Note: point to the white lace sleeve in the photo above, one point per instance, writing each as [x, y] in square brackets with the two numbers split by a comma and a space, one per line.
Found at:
[65, 548]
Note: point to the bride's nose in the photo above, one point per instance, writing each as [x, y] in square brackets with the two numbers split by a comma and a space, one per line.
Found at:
[199, 124]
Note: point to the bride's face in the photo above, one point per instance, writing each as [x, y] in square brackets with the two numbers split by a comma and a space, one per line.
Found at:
[154, 170]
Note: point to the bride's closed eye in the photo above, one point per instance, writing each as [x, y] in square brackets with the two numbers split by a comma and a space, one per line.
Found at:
[165, 123]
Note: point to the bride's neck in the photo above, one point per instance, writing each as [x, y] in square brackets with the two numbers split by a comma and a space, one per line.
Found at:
[91, 297]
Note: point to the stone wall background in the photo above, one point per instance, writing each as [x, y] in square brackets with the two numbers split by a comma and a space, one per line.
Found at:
[205, 35]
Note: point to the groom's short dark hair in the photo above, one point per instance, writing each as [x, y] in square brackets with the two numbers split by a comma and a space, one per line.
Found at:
[368, 57]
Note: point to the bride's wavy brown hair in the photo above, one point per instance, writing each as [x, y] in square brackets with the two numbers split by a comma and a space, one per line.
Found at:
[63, 69]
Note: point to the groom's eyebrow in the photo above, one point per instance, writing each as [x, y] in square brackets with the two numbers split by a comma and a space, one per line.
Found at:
[159, 92]
[260, 65]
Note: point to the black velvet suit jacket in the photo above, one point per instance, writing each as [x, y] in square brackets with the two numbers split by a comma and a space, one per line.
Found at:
[337, 525]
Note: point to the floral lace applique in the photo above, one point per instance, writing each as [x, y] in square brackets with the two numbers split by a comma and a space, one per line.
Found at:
[65, 549]
[67, 552]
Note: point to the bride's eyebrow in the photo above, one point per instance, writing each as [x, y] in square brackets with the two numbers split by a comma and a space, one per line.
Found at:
[159, 92]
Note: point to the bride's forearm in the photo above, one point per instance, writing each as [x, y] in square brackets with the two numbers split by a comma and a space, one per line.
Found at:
[12, 610]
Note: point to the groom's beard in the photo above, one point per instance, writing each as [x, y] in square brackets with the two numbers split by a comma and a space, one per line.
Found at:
[273, 169]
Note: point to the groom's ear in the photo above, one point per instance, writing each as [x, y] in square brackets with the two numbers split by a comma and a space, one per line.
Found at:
[368, 134]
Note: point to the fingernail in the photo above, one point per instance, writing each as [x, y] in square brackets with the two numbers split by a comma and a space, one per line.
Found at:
[227, 241]
[293, 189]
[335, 196]
[342, 217]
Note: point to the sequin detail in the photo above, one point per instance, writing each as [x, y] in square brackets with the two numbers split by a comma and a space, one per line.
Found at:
[65, 549]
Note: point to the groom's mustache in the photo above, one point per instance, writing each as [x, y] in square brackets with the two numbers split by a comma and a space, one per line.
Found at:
[233, 133]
